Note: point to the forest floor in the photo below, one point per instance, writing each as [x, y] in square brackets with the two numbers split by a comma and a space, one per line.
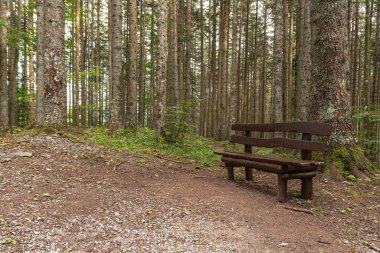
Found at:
[58, 195]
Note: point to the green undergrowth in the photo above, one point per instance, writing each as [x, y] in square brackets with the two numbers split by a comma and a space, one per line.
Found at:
[191, 147]
[144, 140]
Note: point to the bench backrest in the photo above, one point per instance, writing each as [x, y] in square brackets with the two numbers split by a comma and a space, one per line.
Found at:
[306, 144]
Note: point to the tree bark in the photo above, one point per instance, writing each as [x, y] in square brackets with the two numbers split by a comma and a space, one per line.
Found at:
[152, 89]
[54, 85]
[83, 74]
[4, 119]
[172, 67]
[13, 58]
[116, 96]
[330, 97]
[161, 65]
[303, 63]
[142, 72]
[278, 62]
[32, 94]
[223, 45]
[132, 65]
[77, 47]
[40, 61]
[234, 66]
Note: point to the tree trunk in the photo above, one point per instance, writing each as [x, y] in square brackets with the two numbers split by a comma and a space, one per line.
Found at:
[188, 53]
[330, 97]
[203, 103]
[245, 105]
[116, 96]
[83, 88]
[32, 94]
[152, 70]
[4, 119]
[285, 57]
[142, 78]
[77, 46]
[376, 72]
[13, 56]
[97, 116]
[234, 66]
[132, 65]
[213, 75]
[367, 55]
[54, 99]
[161, 65]
[303, 63]
[278, 61]
[263, 86]
[223, 46]
[40, 62]
[172, 67]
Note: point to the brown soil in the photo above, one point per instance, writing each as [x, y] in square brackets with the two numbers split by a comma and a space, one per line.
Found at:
[72, 197]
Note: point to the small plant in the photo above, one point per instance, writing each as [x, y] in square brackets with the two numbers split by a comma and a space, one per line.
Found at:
[177, 124]
[351, 177]
[319, 209]
[352, 193]
[349, 222]
[8, 241]
[345, 210]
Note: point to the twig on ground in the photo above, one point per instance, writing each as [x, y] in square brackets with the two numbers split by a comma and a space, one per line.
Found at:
[323, 242]
[299, 210]
[170, 160]
[372, 247]
[200, 177]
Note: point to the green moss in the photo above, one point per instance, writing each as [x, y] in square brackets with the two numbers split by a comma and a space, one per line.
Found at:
[345, 158]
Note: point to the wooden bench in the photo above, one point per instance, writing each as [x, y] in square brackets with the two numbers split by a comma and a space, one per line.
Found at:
[285, 168]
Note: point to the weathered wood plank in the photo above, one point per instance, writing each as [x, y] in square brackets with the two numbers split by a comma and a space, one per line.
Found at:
[299, 175]
[300, 127]
[272, 168]
[279, 142]
[270, 159]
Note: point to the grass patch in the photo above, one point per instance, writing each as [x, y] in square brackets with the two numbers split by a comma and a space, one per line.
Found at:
[145, 140]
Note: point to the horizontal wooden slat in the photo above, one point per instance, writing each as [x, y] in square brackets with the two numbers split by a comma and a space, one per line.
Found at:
[273, 168]
[270, 159]
[300, 127]
[299, 175]
[279, 142]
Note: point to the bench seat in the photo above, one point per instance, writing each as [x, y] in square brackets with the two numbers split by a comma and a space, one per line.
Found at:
[271, 159]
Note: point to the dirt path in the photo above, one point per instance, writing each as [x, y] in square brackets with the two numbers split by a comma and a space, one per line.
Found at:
[71, 197]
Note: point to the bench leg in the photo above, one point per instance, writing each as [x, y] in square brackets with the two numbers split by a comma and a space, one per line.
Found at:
[248, 174]
[230, 171]
[282, 194]
[307, 188]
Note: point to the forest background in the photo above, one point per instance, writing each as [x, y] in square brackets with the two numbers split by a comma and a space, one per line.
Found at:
[186, 66]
